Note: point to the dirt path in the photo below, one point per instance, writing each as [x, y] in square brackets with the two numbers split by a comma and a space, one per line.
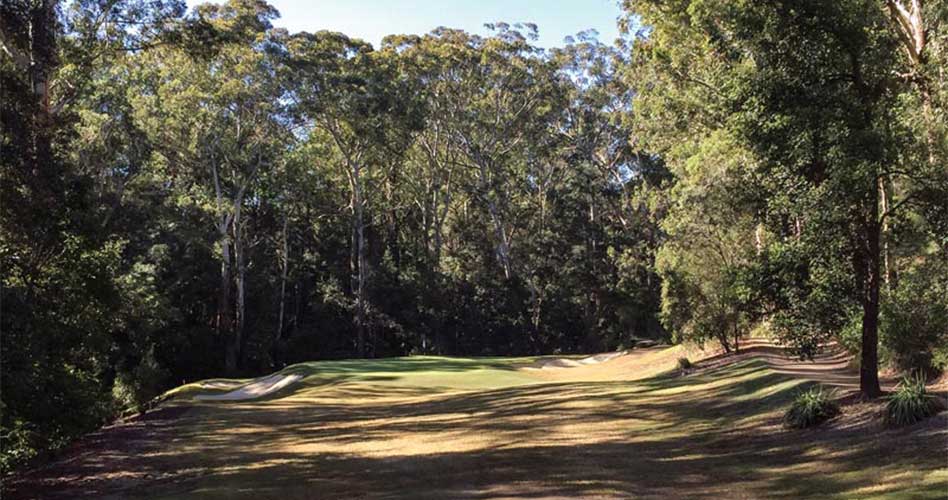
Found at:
[833, 367]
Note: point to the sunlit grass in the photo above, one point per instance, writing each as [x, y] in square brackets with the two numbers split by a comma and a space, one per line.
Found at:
[439, 427]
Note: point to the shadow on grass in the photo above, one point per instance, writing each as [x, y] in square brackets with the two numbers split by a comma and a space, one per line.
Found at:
[414, 370]
[666, 437]
[403, 364]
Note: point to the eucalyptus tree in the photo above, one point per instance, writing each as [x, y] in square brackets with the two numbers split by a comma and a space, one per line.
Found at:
[622, 185]
[214, 119]
[433, 161]
[804, 98]
[918, 25]
[349, 96]
[488, 98]
[594, 125]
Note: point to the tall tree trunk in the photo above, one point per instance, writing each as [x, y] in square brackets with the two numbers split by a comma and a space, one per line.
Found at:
[443, 196]
[440, 204]
[241, 267]
[759, 239]
[502, 245]
[238, 337]
[358, 256]
[591, 310]
[427, 216]
[911, 28]
[890, 272]
[284, 266]
[537, 316]
[870, 277]
[392, 226]
[224, 323]
[361, 303]
[38, 60]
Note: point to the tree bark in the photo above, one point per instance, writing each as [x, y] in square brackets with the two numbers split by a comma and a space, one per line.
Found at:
[394, 247]
[503, 247]
[236, 339]
[238, 336]
[358, 255]
[910, 26]
[224, 324]
[869, 359]
[284, 266]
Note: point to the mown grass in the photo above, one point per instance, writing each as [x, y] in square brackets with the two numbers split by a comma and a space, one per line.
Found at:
[431, 372]
[433, 427]
[436, 427]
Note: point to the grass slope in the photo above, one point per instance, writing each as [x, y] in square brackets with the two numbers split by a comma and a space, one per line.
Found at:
[433, 427]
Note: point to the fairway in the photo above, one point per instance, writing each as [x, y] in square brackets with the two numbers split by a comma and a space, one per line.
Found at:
[439, 427]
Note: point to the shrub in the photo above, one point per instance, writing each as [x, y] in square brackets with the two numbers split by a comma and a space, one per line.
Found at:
[913, 319]
[810, 408]
[134, 388]
[18, 445]
[911, 403]
[684, 364]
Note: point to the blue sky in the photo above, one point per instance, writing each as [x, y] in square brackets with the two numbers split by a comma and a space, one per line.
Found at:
[371, 20]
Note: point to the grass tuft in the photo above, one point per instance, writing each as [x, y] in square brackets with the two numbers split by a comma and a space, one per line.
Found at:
[684, 364]
[811, 408]
[911, 403]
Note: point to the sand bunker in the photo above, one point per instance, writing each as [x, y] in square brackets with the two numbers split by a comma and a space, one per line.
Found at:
[570, 363]
[258, 388]
[221, 385]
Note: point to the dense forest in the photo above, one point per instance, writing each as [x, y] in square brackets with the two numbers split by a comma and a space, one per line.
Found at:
[194, 193]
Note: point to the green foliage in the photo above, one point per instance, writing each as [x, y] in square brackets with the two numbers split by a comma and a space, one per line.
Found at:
[795, 109]
[135, 388]
[911, 403]
[19, 444]
[809, 291]
[55, 347]
[190, 205]
[915, 319]
[810, 408]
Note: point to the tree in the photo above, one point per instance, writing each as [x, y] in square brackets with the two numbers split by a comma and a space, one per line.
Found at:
[214, 119]
[60, 263]
[807, 91]
[347, 94]
[489, 96]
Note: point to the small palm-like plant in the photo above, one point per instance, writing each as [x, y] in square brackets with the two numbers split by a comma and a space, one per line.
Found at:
[810, 408]
[911, 403]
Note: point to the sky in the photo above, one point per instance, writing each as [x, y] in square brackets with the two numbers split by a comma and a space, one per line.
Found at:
[371, 20]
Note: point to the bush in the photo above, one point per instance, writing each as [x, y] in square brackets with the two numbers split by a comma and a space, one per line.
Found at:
[133, 389]
[913, 319]
[810, 408]
[911, 403]
[684, 364]
[18, 445]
